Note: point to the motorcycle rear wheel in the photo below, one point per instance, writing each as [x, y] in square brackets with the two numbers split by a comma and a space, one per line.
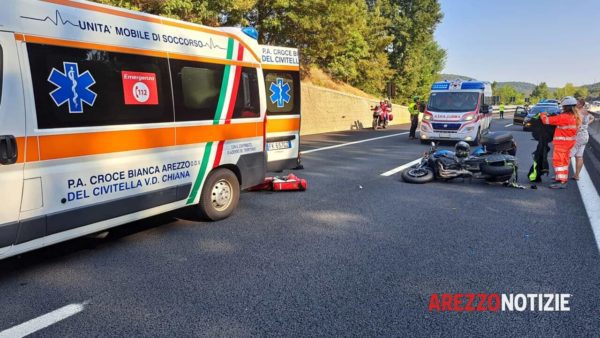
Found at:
[418, 175]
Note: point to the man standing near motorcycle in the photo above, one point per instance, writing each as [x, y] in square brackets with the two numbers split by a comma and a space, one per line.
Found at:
[566, 124]
[414, 109]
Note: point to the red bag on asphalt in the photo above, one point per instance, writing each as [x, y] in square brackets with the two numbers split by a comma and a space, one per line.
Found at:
[266, 185]
[289, 183]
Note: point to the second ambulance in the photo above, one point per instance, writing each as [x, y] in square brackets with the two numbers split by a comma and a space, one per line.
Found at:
[459, 110]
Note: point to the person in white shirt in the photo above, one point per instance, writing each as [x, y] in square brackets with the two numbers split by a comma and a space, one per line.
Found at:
[582, 136]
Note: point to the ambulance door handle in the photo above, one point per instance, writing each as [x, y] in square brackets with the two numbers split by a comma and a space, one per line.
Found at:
[8, 150]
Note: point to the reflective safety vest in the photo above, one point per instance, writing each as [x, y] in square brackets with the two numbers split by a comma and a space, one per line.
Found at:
[501, 108]
[566, 128]
[412, 109]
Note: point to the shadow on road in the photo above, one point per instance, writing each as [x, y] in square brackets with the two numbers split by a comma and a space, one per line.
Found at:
[62, 250]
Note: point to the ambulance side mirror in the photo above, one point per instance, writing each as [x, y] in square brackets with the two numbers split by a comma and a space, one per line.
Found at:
[485, 109]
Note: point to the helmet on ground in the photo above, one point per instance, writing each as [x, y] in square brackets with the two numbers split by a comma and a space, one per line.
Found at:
[568, 101]
[462, 149]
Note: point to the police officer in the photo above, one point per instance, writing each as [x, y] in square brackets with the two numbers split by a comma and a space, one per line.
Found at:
[414, 108]
[501, 108]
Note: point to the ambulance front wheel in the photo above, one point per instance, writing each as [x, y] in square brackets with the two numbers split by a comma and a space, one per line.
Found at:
[220, 195]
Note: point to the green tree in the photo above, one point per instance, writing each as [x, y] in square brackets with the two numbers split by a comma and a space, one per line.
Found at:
[414, 55]
[541, 91]
[582, 93]
[494, 87]
[570, 90]
[207, 12]
[365, 43]
[507, 92]
[346, 38]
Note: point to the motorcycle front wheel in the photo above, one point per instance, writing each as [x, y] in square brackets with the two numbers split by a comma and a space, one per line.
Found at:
[418, 175]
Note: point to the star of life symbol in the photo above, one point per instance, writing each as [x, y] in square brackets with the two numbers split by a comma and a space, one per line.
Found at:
[72, 87]
[280, 92]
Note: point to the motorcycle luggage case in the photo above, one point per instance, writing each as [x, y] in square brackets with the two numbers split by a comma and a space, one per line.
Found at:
[497, 141]
[499, 165]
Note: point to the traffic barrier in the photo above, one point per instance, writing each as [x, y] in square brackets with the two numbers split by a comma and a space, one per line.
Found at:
[591, 157]
[507, 109]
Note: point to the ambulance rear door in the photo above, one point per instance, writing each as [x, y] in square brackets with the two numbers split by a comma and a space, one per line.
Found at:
[281, 71]
[12, 141]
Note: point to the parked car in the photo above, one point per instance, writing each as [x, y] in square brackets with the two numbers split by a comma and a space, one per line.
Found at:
[520, 113]
[537, 109]
[550, 101]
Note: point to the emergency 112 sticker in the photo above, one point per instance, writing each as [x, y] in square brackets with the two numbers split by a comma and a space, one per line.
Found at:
[139, 88]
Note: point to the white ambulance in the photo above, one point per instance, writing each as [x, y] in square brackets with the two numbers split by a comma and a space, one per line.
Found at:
[108, 116]
[458, 111]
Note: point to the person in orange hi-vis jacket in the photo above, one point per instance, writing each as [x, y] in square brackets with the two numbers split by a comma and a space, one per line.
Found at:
[566, 124]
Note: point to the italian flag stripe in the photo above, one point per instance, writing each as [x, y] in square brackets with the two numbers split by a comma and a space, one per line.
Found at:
[224, 84]
[232, 100]
[209, 146]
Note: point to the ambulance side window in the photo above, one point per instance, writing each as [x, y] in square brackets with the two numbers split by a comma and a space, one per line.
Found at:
[196, 89]
[1, 72]
[247, 104]
[283, 92]
[85, 87]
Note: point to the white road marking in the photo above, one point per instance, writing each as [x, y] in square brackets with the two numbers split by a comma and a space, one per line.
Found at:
[42, 322]
[591, 201]
[508, 125]
[351, 143]
[402, 167]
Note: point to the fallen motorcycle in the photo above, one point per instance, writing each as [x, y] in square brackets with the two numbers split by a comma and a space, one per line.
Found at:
[493, 164]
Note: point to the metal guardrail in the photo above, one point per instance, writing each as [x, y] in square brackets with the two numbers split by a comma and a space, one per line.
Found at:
[592, 153]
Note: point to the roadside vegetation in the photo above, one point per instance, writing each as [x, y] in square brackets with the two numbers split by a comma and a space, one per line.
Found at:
[366, 44]
[507, 92]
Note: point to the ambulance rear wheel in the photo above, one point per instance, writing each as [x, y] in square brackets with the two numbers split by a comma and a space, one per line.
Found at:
[220, 195]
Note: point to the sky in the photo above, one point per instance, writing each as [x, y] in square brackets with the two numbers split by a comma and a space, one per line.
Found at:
[555, 41]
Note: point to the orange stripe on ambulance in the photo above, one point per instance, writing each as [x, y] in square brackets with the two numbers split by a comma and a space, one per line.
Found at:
[108, 116]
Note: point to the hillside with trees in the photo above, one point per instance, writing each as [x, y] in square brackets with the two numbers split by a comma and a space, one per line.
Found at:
[521, 90]
[363, 43]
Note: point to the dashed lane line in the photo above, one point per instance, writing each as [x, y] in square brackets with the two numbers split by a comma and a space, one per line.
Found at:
[351, 143]
[400, 168]
[41, 322]
[508, 125]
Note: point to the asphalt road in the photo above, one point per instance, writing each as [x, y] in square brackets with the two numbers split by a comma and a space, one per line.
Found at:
[358, 254]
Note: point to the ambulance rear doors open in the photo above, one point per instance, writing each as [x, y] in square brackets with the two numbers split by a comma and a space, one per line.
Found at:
[281, 70]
